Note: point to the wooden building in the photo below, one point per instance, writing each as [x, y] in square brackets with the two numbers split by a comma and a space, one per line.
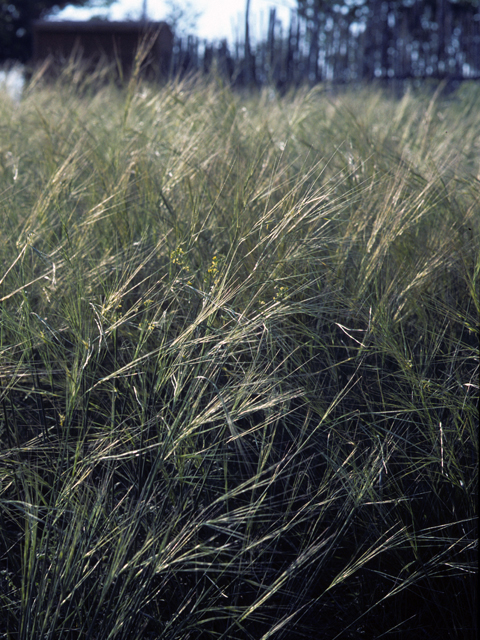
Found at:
[112, 42]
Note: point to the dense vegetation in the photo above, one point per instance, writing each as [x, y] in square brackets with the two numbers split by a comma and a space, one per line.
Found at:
[341, 41]
[16, 25]
[238, 363]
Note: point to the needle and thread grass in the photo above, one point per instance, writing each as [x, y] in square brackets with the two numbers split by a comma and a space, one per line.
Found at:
[238, 363]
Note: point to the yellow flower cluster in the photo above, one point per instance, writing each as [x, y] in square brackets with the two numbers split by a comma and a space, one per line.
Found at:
[177, 257]
[213, 271]
[281, 293]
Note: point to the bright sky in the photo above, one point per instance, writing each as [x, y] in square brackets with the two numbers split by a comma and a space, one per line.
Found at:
[219, 19]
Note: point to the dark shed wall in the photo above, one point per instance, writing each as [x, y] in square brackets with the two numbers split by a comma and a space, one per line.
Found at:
[115, 41]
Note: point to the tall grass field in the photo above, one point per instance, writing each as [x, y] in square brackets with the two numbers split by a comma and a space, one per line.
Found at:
[238, 363]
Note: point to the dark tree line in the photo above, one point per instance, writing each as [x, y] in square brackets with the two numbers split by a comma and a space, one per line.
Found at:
[393, 38]
[333, 40]
[16, 19]
[352, 40]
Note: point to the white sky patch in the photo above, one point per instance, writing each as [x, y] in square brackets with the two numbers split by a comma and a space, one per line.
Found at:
[220, 18]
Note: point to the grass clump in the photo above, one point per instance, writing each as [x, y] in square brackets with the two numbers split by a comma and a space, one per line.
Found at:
[239, 363]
